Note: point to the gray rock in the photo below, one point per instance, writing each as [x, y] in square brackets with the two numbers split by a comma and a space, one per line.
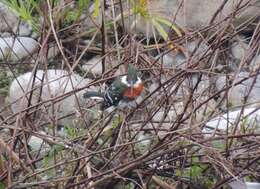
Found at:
[252, 185]
[237, 93]
[17, 48]
[192, 48]
[163, 120]
[238, 49]
[191, 15]
[94, 66]
[144, 142]
[200, 49]
[24, 29]
[250, 119]
[36, 143]
[241, 53]
[197, 14]
[56, 83]
[9, 23]
[53, 51]
[239, 184]
[8, 19]
[255, 63]
[170, 61]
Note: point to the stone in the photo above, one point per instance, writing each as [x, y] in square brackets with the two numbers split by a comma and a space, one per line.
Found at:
[238, 49]
[249, 120]
[170, 61]
[36, 143]
[55, 84]
[191, 15]
[240, 184]
[241, 53]
[8, 19]
[94, 66]
[252, 185]
[53, 51]
[255, 63]
[237, 184]
[179, 60]
[198, 14]
[237, 93]
[24, 29]
[180, 91]
[170, 116]
[10, 23]
[17, 48]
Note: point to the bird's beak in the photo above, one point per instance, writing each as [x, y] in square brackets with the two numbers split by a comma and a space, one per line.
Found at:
[132, 87]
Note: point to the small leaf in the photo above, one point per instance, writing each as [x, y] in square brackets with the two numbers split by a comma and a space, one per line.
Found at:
[117, 121]
[169, 24]
[160, 29]
[96, 10]
[2, 186]
[143, 4]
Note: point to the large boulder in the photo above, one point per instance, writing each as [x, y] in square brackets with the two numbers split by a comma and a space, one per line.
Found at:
[8, 20]
[247, 120]
[190, 15]
[17, 48]
[54, 89]
[240, 87]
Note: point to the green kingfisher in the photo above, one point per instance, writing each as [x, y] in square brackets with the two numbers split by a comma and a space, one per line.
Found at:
[127, 87]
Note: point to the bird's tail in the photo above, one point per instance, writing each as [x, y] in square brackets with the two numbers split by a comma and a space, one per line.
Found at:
[97, 96]
[94, 95]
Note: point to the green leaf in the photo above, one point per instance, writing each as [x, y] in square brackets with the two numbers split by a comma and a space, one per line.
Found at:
[195, 171]
[96, 10]
[82, 4]
[173, 26]
[72, 132]
[2, 186]
[117, 121]
[160, 29]
[28, 11]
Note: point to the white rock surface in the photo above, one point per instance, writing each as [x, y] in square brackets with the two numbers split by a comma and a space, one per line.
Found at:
[8, 19]
[24, 29]
[17, 48]
[191, 15]
[237, 184]
[53, 51]
[200, 49]
[181, 90]
[93, 65]
[10, 23]
[238, 49]
[170, 116]
[171, 60]
[252, 185]
[255, 63]
[197, 14]
[55, 84]
[237, 93]
[249, 119]
[36, 143]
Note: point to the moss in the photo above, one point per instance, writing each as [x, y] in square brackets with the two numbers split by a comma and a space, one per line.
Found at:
[5, 81]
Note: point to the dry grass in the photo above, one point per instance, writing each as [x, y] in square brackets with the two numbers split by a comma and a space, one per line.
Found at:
[133, 148]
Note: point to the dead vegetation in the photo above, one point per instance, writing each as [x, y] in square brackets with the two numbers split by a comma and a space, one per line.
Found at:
[159, 142]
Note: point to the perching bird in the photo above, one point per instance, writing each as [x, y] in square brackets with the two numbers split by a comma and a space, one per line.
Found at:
[126, 87]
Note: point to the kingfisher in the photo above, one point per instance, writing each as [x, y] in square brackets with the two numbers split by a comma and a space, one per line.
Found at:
[127, 87]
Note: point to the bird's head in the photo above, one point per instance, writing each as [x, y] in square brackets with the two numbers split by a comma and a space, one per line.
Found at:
[133, 82]
[132, 75]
